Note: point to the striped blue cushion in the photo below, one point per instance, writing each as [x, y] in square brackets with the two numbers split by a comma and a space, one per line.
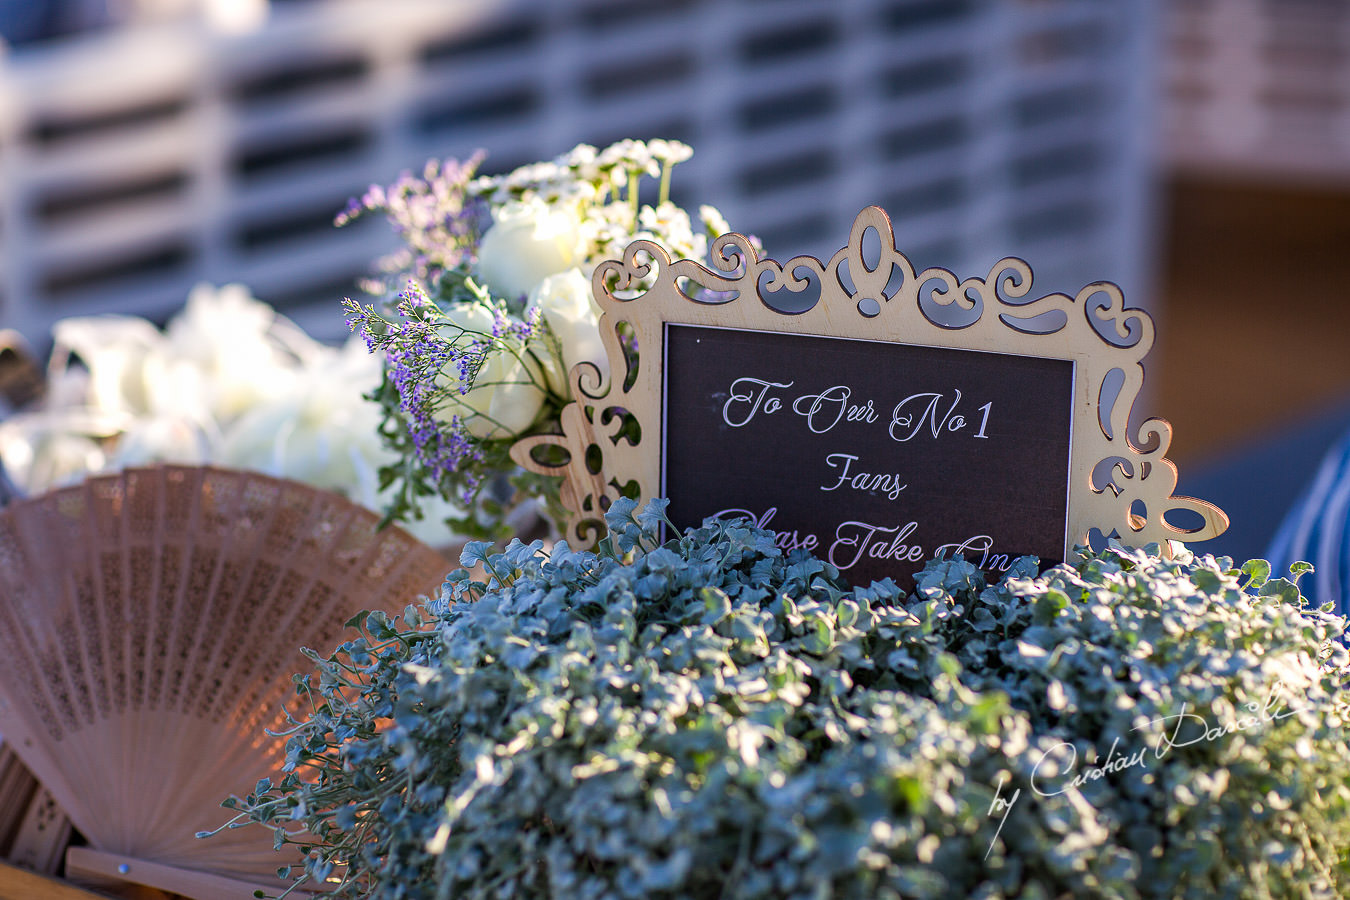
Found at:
[1317, 530]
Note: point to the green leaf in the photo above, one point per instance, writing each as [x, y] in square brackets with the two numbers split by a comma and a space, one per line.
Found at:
[1257, 571]
[1282, 588]
[474, 553]
[1298, 569]
[716, 605]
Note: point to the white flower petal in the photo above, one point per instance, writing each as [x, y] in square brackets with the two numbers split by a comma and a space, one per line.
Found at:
[567, 304]
[527, 242]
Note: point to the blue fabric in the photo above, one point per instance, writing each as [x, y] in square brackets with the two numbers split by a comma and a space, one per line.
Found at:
[1317, 530]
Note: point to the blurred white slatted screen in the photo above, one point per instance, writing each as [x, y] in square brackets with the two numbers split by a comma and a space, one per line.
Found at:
[135, 163]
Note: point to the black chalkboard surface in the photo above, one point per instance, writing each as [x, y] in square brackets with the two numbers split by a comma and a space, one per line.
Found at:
[874, 455]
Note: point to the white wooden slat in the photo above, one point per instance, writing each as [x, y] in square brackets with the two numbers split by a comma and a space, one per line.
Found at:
[330, 110]
[272, 272]
[107, 236]
[166, 147]
[154, 297]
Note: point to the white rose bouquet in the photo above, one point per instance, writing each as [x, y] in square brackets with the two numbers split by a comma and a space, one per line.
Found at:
[488, 307]
[228, 382]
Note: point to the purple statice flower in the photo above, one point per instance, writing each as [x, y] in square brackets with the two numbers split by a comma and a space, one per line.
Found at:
[507, 327]
[460, 446]
[432, 213]
[416, 352]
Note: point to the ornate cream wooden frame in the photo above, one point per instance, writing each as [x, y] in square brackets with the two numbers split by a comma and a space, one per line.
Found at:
[1116, 485]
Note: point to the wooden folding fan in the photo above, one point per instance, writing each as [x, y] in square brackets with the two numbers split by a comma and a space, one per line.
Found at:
[149, 625]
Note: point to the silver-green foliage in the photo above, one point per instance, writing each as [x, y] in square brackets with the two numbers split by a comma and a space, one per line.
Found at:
[713, 719]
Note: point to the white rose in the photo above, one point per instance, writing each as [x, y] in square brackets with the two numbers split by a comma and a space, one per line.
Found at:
[527, 242]
[156, 439]
[572, 314]
[288, 438]
[218, 358]
[114, 349]
[42, 451]
[505, 397]
[319, 430]
[177, 386]
[213, 313]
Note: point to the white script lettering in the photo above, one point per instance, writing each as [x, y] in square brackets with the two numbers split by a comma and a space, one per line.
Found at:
[783, 540]
[755, 392]
[863, 537]
[825, 410]
[888, 484]
[910, 415]
[983, 543]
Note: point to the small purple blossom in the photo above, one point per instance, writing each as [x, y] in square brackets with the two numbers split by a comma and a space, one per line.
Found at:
[416, 352]
[433, 214]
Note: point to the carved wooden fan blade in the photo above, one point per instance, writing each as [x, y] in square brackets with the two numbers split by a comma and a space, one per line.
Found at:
[149, 625]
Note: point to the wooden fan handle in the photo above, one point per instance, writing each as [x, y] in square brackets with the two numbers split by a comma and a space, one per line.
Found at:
[84, 864]
[20, 884]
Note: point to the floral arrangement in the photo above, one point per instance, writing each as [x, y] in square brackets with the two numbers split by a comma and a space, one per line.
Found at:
[488, 306]
[228, 381]
[711, 718]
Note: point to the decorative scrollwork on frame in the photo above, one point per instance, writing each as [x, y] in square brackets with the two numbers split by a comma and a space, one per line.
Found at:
[572, 456]
[1119, 484]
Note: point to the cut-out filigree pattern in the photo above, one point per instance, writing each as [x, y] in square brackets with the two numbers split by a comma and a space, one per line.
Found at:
[1119, 484]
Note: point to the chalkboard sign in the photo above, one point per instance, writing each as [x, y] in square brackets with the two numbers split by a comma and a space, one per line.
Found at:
[896, 415]
[875, 456]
